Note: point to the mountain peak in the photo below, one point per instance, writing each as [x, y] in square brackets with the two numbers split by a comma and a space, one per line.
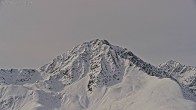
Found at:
[98, 59]
[99, 41]
[171, 64]
[184, 75]
[104, 64]
[86, 49]
[93, 73]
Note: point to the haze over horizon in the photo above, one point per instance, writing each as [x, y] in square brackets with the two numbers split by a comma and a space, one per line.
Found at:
[33, 32]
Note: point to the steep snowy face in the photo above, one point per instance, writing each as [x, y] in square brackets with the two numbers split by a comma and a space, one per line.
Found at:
[19, 77]
[184, 75]
[103, 63]
[97, 75]
[172, 66]
[98, 59]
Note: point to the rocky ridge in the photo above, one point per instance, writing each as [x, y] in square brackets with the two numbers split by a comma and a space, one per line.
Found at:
[182, 74]
[104, 63]
[87, 67]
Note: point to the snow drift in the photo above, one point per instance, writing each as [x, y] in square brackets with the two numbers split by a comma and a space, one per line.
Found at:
[97, 75]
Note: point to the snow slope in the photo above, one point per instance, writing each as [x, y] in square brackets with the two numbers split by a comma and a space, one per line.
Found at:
[95, 75]
[184, 75]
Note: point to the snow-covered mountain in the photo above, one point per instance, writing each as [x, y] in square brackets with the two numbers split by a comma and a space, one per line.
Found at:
[97, 75]
[184, 75]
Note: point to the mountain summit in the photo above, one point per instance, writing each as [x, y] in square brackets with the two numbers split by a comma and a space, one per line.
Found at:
[182, 74]
[104, 63]
[97, 75]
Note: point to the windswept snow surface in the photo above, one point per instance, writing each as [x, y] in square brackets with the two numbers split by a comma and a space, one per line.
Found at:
[94, 76]
[184, 75]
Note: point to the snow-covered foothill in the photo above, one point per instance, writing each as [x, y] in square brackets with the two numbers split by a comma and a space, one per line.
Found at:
[97, 75]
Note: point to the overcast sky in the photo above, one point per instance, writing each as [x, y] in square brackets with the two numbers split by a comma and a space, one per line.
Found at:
[33, 32]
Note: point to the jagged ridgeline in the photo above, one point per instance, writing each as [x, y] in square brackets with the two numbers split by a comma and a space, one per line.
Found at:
[104, 63]
[97, 75]
[184, 75]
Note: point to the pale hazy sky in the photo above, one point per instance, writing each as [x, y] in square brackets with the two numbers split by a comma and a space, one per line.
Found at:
[33, 32]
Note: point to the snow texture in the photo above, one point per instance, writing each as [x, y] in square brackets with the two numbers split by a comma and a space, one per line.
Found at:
[97, 75]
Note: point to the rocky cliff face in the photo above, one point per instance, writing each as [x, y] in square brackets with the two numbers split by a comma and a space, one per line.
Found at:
[104, 63]
[94, 73]
[19, 76]
[184, 75]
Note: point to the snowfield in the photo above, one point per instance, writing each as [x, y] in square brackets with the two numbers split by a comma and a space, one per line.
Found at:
[99, 76]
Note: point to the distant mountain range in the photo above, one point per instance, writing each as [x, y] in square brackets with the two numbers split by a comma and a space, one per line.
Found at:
[97, 75]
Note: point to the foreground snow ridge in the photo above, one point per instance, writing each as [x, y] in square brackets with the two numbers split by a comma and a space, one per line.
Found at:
[97, 75]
